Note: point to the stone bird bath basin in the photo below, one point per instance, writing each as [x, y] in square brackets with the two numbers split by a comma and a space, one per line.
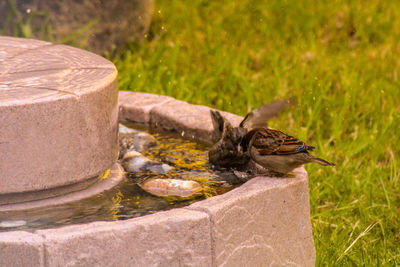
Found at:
[72, 122]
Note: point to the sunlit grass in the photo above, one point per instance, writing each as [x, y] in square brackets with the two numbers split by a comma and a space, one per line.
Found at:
[339, 59]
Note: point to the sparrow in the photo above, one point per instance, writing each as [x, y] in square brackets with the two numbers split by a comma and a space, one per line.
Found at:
[228, 152]
[278, 151]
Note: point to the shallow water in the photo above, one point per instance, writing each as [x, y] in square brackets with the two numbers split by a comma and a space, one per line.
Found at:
[127, 200]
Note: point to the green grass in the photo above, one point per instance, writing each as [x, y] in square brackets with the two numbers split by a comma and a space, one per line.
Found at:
[339, 59]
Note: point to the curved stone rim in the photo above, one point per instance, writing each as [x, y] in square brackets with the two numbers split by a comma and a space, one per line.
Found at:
[111, 178]
[223, 230]
[16, 198]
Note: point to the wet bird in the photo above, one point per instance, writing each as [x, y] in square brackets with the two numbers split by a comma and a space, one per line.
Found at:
[228, 152]
[278, 151]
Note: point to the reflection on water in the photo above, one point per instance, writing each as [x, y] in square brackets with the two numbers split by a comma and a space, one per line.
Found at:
[127, 200]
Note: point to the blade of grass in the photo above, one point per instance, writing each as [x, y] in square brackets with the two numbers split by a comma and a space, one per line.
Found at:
[355, 240]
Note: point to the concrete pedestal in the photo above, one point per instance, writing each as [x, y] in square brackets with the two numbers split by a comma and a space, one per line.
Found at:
[58, 118]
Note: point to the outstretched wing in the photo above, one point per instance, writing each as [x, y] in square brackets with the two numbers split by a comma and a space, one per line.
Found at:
[274, 142]
[259, 117]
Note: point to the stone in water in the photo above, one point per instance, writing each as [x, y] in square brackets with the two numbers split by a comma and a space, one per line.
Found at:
[135, 162]
[171, 187]
[12, 223]
[122, 129]
[134, 140]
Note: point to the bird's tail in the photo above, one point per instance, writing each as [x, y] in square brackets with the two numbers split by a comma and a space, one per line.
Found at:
[322, 161]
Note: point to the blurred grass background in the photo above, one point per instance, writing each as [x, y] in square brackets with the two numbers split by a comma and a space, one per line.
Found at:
[339, 59]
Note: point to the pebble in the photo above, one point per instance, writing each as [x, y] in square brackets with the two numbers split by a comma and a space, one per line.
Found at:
[171, 187]
[135, 162]
[138, 141]
[12, 223]
[122, 129]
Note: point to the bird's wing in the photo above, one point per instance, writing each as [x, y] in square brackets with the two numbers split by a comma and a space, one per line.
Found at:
[259, 117]
[222, 127]
[217, 120]
[274, 142]
[218, 123]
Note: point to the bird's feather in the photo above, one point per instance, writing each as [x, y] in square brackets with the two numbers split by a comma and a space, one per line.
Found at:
[273, 142]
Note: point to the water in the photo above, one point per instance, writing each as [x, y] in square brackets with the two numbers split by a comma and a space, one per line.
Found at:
[127, 200]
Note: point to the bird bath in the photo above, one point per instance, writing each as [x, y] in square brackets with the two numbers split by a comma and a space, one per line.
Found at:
[59, 112]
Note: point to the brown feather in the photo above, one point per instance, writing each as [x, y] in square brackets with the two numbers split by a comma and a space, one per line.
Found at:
[274, 142]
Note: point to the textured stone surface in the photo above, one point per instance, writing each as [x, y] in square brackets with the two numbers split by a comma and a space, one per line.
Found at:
[136, 106]
[264, 222]
[233, 118]
[193, 121]
[98, 26]
[10, 47]
[59, 115]
[21, 249]
[173, 238]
